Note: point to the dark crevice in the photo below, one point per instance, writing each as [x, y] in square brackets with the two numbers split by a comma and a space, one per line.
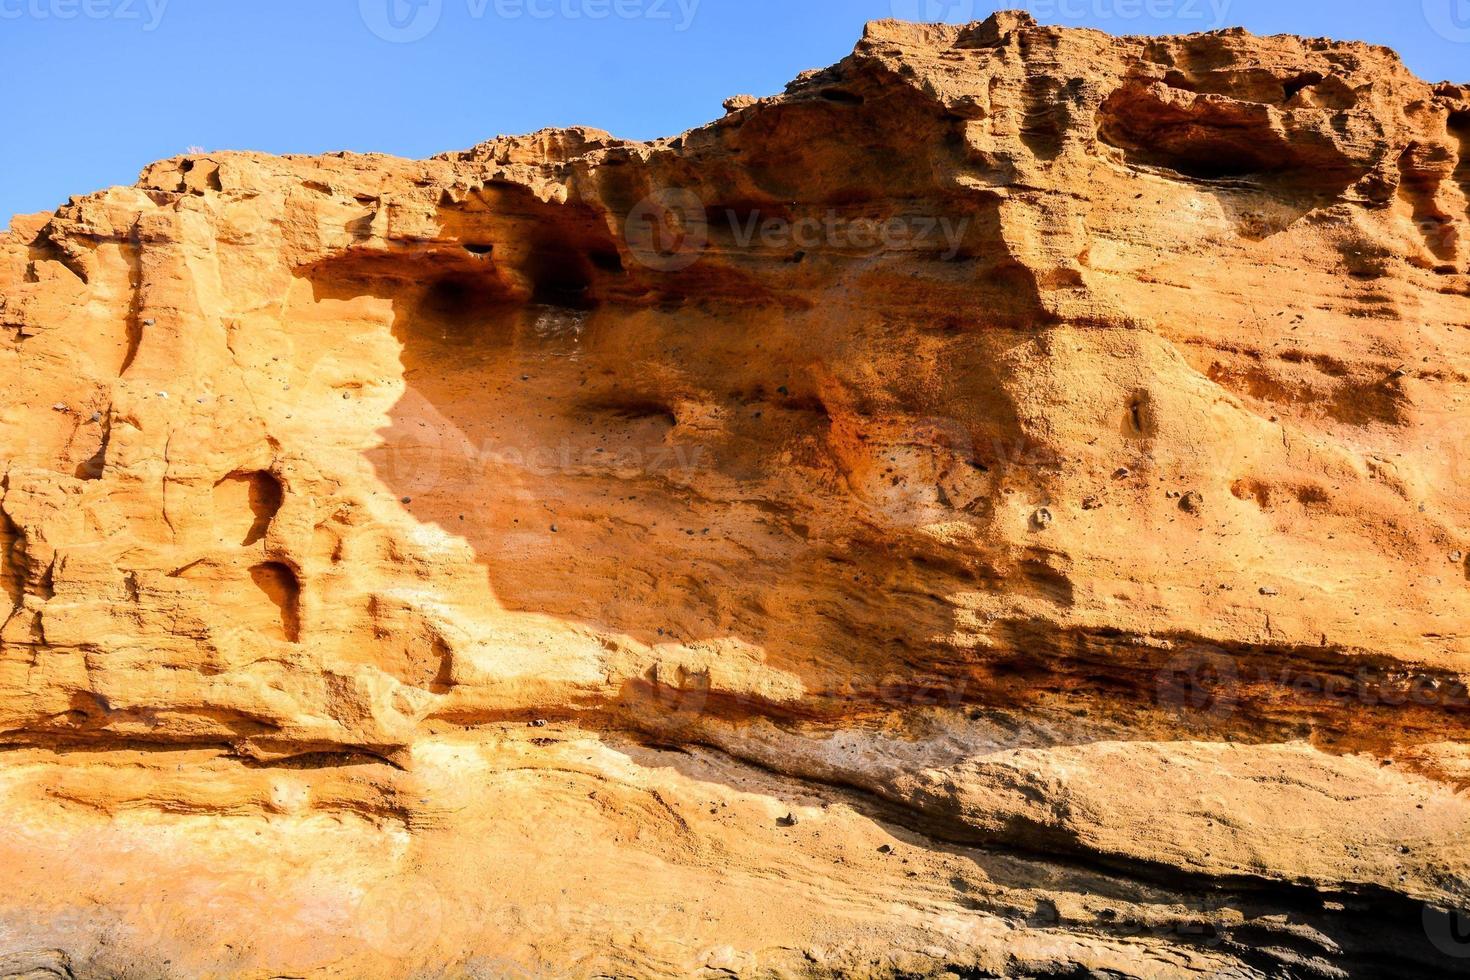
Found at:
[94, 467]
[1292, 87]
[12, 563]
[280, 585]
[1369, 931]
[132, 252]
[259, 492]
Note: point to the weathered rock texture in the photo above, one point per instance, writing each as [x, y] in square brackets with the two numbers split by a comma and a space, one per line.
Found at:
[997, 509]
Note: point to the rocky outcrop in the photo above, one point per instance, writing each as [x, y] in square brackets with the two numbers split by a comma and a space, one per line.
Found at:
[995, 509]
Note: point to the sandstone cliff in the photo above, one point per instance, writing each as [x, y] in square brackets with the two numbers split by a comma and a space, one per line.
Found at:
[996, 509]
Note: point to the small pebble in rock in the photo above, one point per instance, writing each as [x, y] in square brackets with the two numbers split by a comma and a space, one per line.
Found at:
[554, 529]
[886, 849]
[96, 417]
[787, 821]
[1042, 518]
[407, 500]
[163, 394]
[1192, 502]
[149, 322]
[1121, 472]
[60, 407]
[1091, 503]
[1270, 590]
[1457, 556]
[346, 396]
[783, 390]
[539, 723]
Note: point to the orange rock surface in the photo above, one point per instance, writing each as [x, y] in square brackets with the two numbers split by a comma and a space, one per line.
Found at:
[996, 509]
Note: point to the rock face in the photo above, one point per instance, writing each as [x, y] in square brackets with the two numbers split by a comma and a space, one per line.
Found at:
[997, 509]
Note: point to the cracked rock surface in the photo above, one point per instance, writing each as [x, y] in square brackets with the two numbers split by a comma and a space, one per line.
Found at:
[996, 509]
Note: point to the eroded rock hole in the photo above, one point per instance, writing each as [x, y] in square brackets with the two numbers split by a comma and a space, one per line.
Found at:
[279, 584]
[12, 564]
[1207, 140]
[245, 504]
[93, 467]
[1138, 415]
[562, 279]
[1292, 87]
[637, 410]
[606, 261]
[460, 300]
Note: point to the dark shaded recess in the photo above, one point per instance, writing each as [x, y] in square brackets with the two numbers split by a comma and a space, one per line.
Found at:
[633, 409]
[1217, 140]
[462, 300]
[96, 465]
[265, 497]
[133, 252]
[1459, 127]
[561, 276]
[280, 585]
[12, 561]
[214, 183]
[606, 260]
[1292, 87]
[44, 248]
[443, 660]
[1250, 693]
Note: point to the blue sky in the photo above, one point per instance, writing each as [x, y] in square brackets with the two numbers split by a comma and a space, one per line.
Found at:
[99, 88]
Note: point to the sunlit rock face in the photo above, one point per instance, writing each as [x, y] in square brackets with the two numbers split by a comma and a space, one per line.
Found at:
[997, 509]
